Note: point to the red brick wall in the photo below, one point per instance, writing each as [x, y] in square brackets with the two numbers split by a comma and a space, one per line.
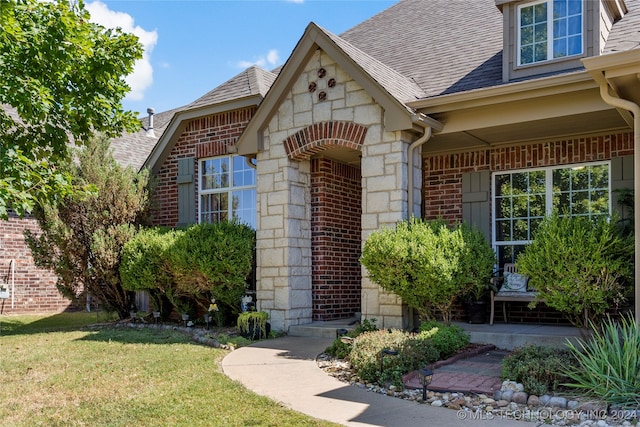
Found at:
[443, 187]
[35, 288]
[204, 137]
[336, 209]
[443, 172]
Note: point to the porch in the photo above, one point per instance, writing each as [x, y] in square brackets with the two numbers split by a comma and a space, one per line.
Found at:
[505, 336]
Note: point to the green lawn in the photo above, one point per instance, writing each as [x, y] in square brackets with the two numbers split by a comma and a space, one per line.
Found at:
[53, 372]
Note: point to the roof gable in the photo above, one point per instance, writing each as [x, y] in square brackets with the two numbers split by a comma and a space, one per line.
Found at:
[245, 89]
[388, 87]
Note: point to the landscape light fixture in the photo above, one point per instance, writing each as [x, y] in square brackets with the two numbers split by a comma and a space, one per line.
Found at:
[426, 375]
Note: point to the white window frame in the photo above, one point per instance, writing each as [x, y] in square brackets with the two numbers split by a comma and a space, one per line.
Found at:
[548, 196]
[550, 33]
[230, 189]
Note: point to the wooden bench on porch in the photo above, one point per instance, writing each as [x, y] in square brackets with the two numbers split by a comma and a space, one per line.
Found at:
[511, 287]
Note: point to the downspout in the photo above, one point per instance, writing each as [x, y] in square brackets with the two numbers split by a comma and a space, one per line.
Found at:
[428, 131]
[635, 110]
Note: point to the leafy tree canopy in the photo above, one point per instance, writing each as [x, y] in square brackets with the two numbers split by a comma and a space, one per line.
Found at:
[61, 80]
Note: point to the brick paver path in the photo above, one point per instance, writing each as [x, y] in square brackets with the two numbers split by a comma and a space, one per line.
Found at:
[477, 374]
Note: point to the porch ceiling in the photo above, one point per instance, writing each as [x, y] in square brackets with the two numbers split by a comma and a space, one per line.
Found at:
[533, 130]
[543, 113]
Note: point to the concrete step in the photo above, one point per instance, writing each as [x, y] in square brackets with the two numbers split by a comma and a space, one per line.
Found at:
[328, 329]
[504, 336]
[509, 336]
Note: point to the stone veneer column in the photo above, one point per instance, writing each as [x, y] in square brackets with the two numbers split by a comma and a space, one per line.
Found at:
[384, 203]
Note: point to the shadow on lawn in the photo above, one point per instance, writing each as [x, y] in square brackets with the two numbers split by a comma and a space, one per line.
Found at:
[37, 324]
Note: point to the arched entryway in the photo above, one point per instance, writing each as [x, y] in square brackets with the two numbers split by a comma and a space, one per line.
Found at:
[334, 149]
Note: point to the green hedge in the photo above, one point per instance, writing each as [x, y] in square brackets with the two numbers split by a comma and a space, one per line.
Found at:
[191, 265]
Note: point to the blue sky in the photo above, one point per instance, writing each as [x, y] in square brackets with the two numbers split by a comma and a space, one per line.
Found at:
[193, 46]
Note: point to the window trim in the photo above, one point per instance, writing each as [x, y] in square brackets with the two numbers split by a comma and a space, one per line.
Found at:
[229, 189]
[548, 194]
[550, 35]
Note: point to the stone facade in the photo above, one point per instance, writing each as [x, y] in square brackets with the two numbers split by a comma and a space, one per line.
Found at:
[322, 94]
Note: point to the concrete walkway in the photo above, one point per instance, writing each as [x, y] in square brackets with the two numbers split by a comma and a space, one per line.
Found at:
[285, 370]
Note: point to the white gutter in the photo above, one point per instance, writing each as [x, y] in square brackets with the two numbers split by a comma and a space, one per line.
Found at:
[635, 110]
[428, 131]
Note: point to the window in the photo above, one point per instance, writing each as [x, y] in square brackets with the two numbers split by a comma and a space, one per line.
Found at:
[227, 190]
[521, 199]
[549, 29]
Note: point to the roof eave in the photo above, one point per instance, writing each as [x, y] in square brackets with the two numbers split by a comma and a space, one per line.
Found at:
[174, 129]
[505, 93]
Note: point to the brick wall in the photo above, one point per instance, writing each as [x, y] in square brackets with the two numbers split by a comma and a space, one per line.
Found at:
[336, 209]
[203, 137]
[35, 288]
[443, 188]
[443, 173]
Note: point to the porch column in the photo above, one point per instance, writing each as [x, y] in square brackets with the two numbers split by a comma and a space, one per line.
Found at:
[384, 203]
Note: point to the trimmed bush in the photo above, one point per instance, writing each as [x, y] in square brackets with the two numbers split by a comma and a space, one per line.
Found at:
[215, 259]
[608, 365]
[144, 265]
[539, 369]
[429, 264]
[580, 267]
[191, 266]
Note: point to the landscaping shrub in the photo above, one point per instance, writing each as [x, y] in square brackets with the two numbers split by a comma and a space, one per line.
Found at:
[608, 365]
[191, 266]
[214, 259]
[429, 264]
[579, 266]
[340, 349]
[539, 369]
[414, 351]
[447, 339]
[144, 266]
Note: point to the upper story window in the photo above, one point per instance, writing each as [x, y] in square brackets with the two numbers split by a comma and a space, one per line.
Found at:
[549, 30]
[227, 190]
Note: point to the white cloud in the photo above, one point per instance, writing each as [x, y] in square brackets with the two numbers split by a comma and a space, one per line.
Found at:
[142, 76]
[271, 59]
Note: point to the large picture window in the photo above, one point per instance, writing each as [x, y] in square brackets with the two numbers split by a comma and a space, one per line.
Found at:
[550, 29]
[521, 199]
[227, 190]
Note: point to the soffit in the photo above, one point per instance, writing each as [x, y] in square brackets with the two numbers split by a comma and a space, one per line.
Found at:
[552, 116]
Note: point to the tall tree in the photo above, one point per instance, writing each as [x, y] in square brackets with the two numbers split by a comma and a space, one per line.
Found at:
[62, 79]
[82, 237]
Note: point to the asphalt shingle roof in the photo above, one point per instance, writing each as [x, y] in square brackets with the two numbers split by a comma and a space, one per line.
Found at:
[443, 45]
[625, 34]
[132, 149]
[252, 81]
[414, 49]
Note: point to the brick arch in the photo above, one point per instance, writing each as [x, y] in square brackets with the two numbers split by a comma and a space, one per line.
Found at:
[324, 135]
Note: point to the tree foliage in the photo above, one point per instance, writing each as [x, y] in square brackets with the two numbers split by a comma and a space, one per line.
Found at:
[428, 263]
[579, 266]
[62, 81]
[82, 238]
